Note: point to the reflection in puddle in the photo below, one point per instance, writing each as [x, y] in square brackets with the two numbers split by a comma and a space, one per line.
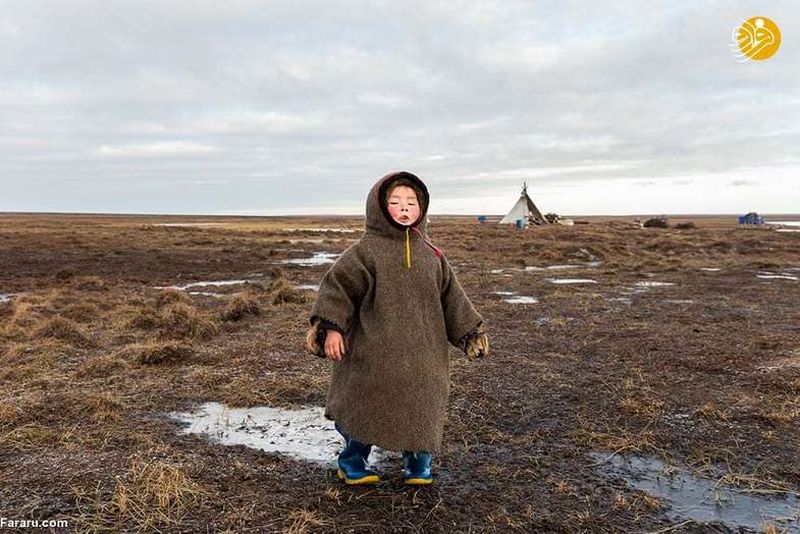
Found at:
[190, 224]
[562, 267]
[624, 300]
[312, 287]
[776, 276]
[701, 499]
[653, 283]
[204, 284]
[785, 223]
[571, 281]
[340, 230]
[302, 434]
[208, 294]
[319, 258]
[521, 299]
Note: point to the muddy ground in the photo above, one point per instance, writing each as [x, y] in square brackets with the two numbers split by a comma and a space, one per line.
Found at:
[703, 373]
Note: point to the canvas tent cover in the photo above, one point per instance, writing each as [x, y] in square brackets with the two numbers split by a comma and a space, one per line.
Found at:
[523, 209]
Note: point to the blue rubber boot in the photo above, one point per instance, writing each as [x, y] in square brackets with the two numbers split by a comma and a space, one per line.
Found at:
[417, 467]
[352, 461]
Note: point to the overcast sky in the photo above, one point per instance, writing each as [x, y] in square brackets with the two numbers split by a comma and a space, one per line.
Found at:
[298, 107]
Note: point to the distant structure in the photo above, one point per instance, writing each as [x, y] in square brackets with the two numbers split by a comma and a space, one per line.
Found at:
[524, 210]
[751, 219]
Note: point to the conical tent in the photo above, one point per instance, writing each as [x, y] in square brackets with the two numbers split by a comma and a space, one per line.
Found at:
[524, 209]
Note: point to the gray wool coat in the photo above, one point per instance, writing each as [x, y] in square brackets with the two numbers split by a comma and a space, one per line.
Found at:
[398, 303]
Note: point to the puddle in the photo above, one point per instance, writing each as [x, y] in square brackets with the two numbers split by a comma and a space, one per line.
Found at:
[565, 266]
[190, 224]
[711, 269]
[773, 276]
[571, 281]
[5, 297]
[340, 230]
[504, 293]
[313, 287]
[653, 283]
[208, 283]
[689, 496]
[521, 299]
[319, 258]
[785, 223]
[208, 294]
[788, 230]
[678, 301]
[303, 434]
[624, 300]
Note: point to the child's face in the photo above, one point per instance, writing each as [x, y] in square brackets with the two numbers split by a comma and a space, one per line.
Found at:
[403, 205]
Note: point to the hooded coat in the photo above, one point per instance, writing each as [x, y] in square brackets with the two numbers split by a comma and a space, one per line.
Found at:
[398, 303]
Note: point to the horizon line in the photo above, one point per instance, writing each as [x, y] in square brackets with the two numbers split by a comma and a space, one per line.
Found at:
[130, 214]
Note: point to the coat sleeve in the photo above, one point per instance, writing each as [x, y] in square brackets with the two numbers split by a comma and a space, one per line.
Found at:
[341, 290]
[459, 314]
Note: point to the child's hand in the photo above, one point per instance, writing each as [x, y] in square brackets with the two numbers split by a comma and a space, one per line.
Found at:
[334, 345]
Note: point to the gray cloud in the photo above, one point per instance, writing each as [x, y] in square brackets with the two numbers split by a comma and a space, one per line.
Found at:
[195, 107]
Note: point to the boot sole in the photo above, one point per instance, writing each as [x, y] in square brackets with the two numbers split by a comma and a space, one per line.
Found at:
[369, 479]
[419, 481]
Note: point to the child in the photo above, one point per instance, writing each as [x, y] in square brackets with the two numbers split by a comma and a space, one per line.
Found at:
[384, 315]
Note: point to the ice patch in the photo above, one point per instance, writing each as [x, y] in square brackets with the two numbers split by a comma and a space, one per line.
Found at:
[784, 223]
[302, 434]
[571, 281]
[700, 499]
[191, 224]
[313, 287]
[521, 299]
[207, 283]
[782, 276]
[319, 258]
[653, 283]
[340, 230]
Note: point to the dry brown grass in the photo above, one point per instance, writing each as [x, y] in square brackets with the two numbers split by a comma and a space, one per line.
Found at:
[157, 352]
[153, 495]
[89, 283]
[83, 312]
[709, 410]
[171, 296]
[65, 330]
[240, 306]
[288, 390]
[21, 320]
[101, 366]
[284, 292]
[303, 520]
[180, 320]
